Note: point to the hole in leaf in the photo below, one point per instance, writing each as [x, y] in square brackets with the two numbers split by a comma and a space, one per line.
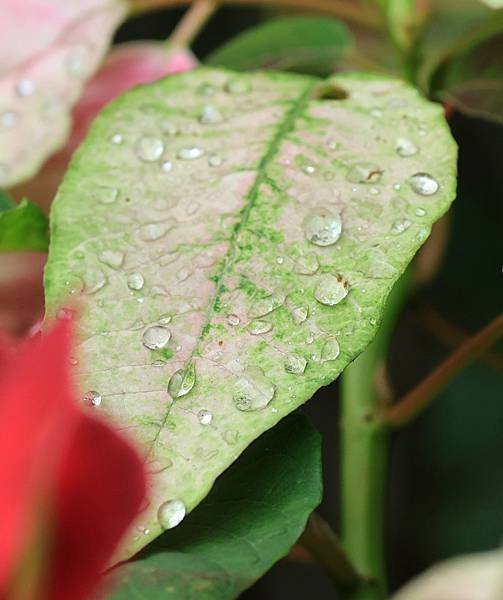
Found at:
[330, 91]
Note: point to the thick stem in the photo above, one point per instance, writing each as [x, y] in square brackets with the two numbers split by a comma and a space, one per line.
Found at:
[364, 456]
[192, 22]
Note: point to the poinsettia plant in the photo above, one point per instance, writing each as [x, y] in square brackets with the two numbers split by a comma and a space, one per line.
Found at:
[228, 234]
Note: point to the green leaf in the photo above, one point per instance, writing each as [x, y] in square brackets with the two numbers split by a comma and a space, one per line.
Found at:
[405, 20]
[495, 4]
[22, 227]
[300, 44]
[254, 514]
[6, 202]
[235, 251]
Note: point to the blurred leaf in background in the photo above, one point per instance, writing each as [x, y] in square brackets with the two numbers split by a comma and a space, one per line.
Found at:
[23, 226]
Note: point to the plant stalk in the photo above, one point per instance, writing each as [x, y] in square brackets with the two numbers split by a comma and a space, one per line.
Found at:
[196, 17]
[364, 456]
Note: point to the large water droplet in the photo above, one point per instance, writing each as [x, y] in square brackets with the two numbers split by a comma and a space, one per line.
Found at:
[424, 184]
[210, 115]
[330, 350]
[24, 88]
[190, 152]
[149, 148]
[405, 147]
[204, 417]
[258, 327]
[92, 398]
[323, 228]
[112, 258]
[182, 382]
[156, 337]
[331, 289]
[135, 281]
[364, 173]
[233, 320]
[295, 364]
[171, 513]
[253, 391]
[300, 313]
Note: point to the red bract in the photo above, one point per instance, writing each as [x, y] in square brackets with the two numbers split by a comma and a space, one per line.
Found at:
[71, 485]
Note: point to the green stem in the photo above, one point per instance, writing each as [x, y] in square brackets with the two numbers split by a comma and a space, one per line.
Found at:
[364, 456]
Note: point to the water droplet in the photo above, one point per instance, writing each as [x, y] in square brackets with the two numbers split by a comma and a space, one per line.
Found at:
[92, 398]
[214, 160]
[309, 169]
[156, 337]
[300, 314]
[75, 60]
[424, 184]
[135, 281]
[171, 513]
[233, 320]
[190, 152]
[153, 231]
[330, 350]
[280, 260]
[400, 226]
[210, 115]
[8, 119]
[258, 327]
[237, 86]
[306, 263]
[332, 144]
[364, 173]
[374, 191]
[182, 382]
[230, 437]
[116, 139]
[167, 166]
[165, 319]
[107, 195]
[376, 113]
[112, 258]
[331, 289]
[323, 228]
[94, 280]
[24, 88]
[405, 147]
[204, 417]
[264, 306]
[295, 364]
[253, 391]
[149, 148]
[397, 186]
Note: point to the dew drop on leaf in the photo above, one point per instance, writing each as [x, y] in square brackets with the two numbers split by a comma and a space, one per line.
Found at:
[405, 147]
[182, 382]
[149, 148]
[331, 289]
[233, 320]
[92, 398]
[330, 350]
[167, 166]
[423, 184]
[215, 160]
[190, 152]
[116, 139]
[364, 173]
[258, 327]
[253, 391]
[295, 364]
[300, 314]
[204, 417]
[171, 513]
[156, 337]
[210, 115]
[135, 281]
[400, 226]
[323, 228]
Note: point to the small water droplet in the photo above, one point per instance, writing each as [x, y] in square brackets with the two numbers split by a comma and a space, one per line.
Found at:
[258, 327]
[156, 337]
[171, 513]
[210, 115]
[330, 350]
[165, 319]
[374, 191]
[397, 186]
[373, 321]
[215, 160]
[237, 86]
[116, 139]
[112, 258]
[331, 289]
[364, 173]
[8, 119]
[405, 147]
[149, 148]
[295, 364]
[280, 260]
[423, 184]
[300, 314]
[107, 195]
[24, 88]
[190, 152]
[233, 320]
[204, 417]
[92, 398]
[400, 226]
[135, 281]
[153, 231]
[264, 306]
[420, 212]
[253, 391]
[167, 166]
[309, 169]
[182, 382]
[323, 228]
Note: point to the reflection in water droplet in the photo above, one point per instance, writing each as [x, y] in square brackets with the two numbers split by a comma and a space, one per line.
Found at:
[190, 152]
[182, 382]
[210, 115]
[300, 314]
[253, 391]
[171, 513]
[424, 184]
[214, 160]
[204, 417]
[405, 147]
[400, 226]
[295, 364]
[24, 87]
[331, 289]
[149, 148]
[258, 327]
[135, 281]
[364, 173]
[117, 139]
[323, 228]
[112, 258]
[92, 398]
[156, 337]
[233, 320]
[330, 350]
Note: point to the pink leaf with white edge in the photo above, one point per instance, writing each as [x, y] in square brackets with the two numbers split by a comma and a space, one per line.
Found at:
[126, 66]
[48, 50]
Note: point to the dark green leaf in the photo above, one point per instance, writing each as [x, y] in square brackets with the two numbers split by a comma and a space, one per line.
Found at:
[300, 44]
[22, 227]
[254, 514]
[5, 201]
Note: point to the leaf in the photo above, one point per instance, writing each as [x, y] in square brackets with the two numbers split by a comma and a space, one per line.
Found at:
[209, 259]
[251, 518]
[300, 44]
[47, 52]
[405, 20]
[6, 203]
[24, 227]
[495, 4]
[464, 578]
